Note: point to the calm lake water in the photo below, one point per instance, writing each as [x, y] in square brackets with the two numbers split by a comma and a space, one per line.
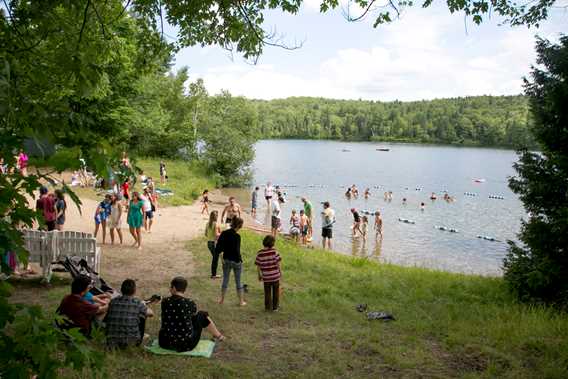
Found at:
[322, 170]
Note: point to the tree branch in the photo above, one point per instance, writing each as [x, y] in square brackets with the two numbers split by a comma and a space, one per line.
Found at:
[100, 21]
[84, 23]
[363, 14]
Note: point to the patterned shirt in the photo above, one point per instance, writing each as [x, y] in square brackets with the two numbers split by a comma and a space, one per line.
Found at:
[177, 328]
[123, 321]
[268, 260]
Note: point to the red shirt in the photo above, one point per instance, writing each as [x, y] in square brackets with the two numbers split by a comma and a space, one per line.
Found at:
[125, 188]
[268, 260]
[47, 205]
[79, 311]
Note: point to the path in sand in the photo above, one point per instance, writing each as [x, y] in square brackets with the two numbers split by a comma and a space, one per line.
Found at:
[164, 254]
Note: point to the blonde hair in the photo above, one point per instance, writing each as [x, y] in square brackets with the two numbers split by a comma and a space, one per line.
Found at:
[213, 216]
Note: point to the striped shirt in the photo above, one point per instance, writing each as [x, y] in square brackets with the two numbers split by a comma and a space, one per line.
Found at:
[268, 260]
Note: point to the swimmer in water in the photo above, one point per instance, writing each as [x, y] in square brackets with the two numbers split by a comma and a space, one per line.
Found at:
[378, 225]
[364, 226]
[433, 196]
[404, 201]
[367, 193]
[386, 195]
[356, 221]
[390, 195]
[354, 190]
[422, 206]
[348, 193]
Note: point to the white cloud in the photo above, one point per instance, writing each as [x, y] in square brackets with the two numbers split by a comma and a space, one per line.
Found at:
[421, 56]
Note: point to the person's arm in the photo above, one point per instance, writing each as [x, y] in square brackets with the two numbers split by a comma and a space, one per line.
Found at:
[259, 274]
[217, 230]
[223, 214]
[239, 211]
[220, 246]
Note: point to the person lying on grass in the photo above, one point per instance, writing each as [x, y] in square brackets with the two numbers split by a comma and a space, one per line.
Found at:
[268, 264]
[126, 318]
[182, 323]
[79, 311]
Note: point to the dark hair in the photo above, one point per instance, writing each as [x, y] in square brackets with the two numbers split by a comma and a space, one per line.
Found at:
[205, 191]
[59, 194]
[80, 284]
[326, 204]
[128, 287]
[268, 241]
[257, 188]
[43, 190]
[179, 283]
[236, 222]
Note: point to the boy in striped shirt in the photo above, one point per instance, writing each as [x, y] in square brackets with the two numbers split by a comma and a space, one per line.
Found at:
[268, 263]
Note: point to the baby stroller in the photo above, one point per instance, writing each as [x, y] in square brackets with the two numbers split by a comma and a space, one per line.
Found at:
[78, 266]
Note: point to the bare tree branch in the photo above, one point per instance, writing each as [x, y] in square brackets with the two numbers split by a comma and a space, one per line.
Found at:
[100, 21]
[362, 15]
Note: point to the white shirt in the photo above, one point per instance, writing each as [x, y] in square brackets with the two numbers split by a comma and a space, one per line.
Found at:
[276, 208]
[328, 218]
[268, 191]
[146, 205]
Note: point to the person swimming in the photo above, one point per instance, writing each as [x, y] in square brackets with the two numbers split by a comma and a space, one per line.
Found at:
[367, 193]
[433, 196]
[422, 206]
[354, 190]
[348, 193]
[404, 201]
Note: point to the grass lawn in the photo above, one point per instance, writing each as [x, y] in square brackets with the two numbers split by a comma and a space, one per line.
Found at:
[186, 180]
[448, 325]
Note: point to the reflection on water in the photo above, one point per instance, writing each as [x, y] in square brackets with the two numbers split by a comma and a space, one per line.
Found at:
[320, 171]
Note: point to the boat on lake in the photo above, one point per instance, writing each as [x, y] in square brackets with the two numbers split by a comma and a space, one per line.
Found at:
[383, 149]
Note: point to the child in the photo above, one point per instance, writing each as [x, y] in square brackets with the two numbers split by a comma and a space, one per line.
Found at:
[212, 232]
[295, 226]
[378, 224]
[268, 262]
[275, 219]
[205, 200]
[304, 226]
[163, 173]
[254, 201]
[367, 193]
[364, 226]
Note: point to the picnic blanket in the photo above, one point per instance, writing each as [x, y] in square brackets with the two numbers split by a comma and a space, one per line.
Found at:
[164, 192]
[203, 349]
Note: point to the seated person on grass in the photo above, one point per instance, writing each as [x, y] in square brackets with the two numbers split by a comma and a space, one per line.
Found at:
[126, 318]
[181, 322]
[80, 312]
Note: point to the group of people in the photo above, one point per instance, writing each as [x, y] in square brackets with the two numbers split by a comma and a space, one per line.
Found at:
[123, 317]
[21, 164]
[52, 206]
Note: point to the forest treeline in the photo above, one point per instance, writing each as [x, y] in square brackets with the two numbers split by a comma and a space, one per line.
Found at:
[480, 121]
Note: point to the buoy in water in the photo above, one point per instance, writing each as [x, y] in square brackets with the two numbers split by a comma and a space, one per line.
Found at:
[487, 238]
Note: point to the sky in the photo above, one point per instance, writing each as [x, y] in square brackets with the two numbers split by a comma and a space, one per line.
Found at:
[425, 54]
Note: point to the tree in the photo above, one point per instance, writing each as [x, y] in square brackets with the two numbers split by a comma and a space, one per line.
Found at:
[537, 269]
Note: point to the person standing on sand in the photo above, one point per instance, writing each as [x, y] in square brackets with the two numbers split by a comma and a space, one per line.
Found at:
[268, 193]
[46, 204]
[269, 272]
[205, 201]
[231, 210]
[229, 243]
[135, 219]
[148, 209]
[101, 215]
[212, 232]
[254, 202]
[308, 210]
[115, 220]
[275, 219]
[304, 226]
[163, 173]
[328, 219]
[378, 225]
[22, 162]
[60, 208]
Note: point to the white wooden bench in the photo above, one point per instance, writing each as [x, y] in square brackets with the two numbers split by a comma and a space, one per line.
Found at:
[48, 247]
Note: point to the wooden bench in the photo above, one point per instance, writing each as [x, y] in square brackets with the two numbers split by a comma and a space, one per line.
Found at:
[48, 247]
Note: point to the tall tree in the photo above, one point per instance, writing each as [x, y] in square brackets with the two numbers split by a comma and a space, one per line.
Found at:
[537, 270]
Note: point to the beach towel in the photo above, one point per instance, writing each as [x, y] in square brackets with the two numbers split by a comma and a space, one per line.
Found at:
[203, 349]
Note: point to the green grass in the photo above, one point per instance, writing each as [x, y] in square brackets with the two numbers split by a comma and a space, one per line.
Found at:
[186, 180]
[448, 325]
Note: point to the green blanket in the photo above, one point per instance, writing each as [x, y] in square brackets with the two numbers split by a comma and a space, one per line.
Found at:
[203, 349]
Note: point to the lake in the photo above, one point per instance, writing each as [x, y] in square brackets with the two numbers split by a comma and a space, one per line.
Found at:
[322, 171]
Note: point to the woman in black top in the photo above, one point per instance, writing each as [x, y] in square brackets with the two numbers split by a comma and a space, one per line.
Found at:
[229, 243]
[182, 324]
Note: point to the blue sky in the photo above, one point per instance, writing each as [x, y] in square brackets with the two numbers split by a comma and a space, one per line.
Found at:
[427, 53]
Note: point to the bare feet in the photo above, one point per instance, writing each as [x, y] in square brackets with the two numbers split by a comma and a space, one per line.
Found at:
[243, 303]
[221, 301]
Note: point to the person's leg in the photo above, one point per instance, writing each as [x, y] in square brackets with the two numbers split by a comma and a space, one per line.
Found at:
[139, 235]
[96, 229]
[150, 222]
[145, 221]
[267, 297]
[225, 284]
[133, 233]
[111, 230]
[119, 232]
[141, 328]
[238, 268]
[275, 295]
[104, 229]
[323, 242]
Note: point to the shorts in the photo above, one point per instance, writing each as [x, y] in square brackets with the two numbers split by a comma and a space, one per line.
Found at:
[268, 197]
[305, 230]
[254, 205]
[275, 222]
[125, 196]
[61, 220]
[50, 225]
[327, 232]
[228, 220]
[295, 231]
[100, 217]
[149, 215]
